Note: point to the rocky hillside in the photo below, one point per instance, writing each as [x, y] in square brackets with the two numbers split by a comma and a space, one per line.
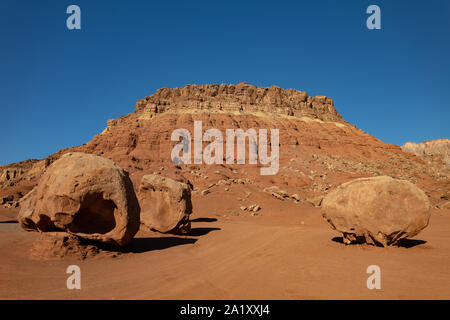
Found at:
[433, 151]
[318, 149]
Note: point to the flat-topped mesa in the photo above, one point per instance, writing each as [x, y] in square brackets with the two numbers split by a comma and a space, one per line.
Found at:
[242, 98]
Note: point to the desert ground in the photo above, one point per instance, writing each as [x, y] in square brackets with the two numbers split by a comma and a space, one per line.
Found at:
[284, 253]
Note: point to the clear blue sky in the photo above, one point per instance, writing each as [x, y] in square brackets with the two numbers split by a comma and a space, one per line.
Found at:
[58, 87]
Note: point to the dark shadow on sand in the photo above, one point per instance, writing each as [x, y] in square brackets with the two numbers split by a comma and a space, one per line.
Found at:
[201, 231]
[9, 221]
[197, 232]
[338, 240]
[204, 220]
[140, 245]
[403, 243]
[409, 243]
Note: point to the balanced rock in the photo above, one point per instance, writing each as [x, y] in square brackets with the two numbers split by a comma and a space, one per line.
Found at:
[85, 195]
[165, 204]
[378, 210]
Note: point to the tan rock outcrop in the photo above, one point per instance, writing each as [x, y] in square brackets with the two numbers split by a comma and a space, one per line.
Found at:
[242, 97]
[434, 150]
[86, 195]
[378, 210]
[165, 204]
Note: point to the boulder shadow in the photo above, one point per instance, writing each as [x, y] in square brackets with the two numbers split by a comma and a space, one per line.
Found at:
[140, 245]
[409, 243]
[9, 221]
[341, 241]
[403, 243]
[146, 244]
[201, 231]
[338, 240]
[197, 232]
[204, 220]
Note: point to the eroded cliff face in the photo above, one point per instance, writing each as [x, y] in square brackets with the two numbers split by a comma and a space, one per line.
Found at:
[318, 149]
[240, 99]
[434, 151]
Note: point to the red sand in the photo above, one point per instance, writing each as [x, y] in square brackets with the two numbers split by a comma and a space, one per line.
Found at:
[271, 256]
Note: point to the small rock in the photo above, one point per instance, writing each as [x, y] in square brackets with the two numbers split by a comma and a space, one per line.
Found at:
[277, 192]
[7, 199]
[445, 205]
[234, 213]
[315, 201]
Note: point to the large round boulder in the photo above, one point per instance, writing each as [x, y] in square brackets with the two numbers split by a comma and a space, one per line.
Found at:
[165, 204]
[85, 195]
[378, 210]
